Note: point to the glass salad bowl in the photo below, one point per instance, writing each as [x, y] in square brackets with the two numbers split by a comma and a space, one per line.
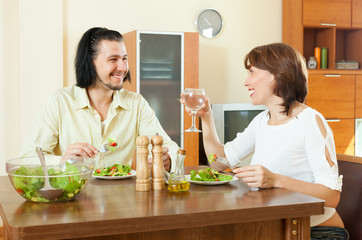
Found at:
[68, 176]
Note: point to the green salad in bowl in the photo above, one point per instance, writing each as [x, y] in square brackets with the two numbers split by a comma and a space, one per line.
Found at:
[69, 174]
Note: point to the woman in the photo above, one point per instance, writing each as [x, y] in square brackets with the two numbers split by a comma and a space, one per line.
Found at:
[292, 143]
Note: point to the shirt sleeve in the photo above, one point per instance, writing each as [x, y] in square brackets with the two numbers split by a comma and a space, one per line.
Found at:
[45, 130]
[149, 125]
[315, 147]
[243, 144]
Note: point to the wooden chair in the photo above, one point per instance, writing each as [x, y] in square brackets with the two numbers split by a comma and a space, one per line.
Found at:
[350, 204]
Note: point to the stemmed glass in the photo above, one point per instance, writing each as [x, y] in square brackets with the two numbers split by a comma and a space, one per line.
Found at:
[194, 100]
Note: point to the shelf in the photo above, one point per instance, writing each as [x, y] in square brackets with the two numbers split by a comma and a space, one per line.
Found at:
[349, 45]
[342, 43]
[334, 71]
[160, 82]
[319, 37]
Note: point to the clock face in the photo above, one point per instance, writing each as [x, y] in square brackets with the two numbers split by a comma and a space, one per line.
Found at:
[209, 23]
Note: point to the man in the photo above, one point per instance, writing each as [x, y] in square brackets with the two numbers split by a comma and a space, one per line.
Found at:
[78, 120]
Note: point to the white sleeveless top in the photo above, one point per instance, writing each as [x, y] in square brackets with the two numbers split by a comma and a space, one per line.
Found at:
[295, 149]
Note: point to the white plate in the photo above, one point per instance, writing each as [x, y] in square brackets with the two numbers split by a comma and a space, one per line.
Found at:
[210, 183]
[133, 173]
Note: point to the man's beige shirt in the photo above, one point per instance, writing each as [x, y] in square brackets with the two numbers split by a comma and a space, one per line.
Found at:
[68, 118]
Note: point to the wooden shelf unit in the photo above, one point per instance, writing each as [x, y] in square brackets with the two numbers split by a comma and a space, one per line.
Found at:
[337, 25]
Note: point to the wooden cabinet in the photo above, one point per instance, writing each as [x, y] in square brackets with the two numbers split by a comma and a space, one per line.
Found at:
[332, 95]
[357, 13]
[327, 12]
[162, 64]
[358, 111]
[336, 93]
[304, 28]
[343, 131]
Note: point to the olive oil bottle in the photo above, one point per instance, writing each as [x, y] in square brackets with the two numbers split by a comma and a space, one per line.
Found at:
[178, 181]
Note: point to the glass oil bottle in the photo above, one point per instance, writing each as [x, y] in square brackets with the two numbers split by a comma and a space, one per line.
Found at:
[178, 181]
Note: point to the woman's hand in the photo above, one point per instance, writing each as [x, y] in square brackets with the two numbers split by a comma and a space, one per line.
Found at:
[81, 149]
[202, 112]
[256, 176]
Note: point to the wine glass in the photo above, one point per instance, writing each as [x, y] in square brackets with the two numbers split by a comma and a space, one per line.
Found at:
[194, 100]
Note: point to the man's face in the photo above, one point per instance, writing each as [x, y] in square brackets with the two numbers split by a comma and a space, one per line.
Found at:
[111, 64]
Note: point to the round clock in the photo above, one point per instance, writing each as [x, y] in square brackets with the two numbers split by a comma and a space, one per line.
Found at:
[209, 23]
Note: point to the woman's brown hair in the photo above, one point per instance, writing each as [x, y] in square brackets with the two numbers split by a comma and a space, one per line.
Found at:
[288, 67]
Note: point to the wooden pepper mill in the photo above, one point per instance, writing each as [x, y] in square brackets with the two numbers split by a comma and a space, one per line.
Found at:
[142, 169]
[157, 163]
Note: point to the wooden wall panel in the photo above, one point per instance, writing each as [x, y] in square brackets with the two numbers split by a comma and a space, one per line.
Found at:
[130, 40]
[292, 33]
[191, 78]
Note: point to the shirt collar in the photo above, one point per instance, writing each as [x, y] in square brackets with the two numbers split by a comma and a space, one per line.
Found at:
[82, 100]
[119, 99]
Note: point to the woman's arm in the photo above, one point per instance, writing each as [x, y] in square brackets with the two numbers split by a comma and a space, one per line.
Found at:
[313, 189]
[210, 138]
[261, 177]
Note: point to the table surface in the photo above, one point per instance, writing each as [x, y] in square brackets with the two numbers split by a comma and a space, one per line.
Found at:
[115, 207]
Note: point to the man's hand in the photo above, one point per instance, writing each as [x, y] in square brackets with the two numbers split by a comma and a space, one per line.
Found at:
[81, 149]
[166, 159]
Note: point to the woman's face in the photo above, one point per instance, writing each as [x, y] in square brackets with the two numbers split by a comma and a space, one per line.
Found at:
[260, 84]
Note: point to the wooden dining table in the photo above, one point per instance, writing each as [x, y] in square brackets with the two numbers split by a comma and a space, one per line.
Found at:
[113, 209]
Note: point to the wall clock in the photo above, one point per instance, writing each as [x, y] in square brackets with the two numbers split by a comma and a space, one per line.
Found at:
[209, 23]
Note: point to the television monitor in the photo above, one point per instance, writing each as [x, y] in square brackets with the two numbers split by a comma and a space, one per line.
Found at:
[231, 119]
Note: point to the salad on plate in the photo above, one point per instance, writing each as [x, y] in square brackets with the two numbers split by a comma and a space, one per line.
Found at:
[209, 175]
[116, 170]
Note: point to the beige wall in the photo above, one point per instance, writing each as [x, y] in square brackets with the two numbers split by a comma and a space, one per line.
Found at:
[38, 39]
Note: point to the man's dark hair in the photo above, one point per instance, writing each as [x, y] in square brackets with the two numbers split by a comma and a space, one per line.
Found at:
[87, 50]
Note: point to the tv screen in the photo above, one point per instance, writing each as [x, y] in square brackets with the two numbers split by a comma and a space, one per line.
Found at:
[230, 119]
[233, 118]
[237, 121]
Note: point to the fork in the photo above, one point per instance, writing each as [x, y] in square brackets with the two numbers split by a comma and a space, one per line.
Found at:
[107, 146]
[214, 157]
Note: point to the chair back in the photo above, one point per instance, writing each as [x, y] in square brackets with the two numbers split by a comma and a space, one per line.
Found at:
[350, 204]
